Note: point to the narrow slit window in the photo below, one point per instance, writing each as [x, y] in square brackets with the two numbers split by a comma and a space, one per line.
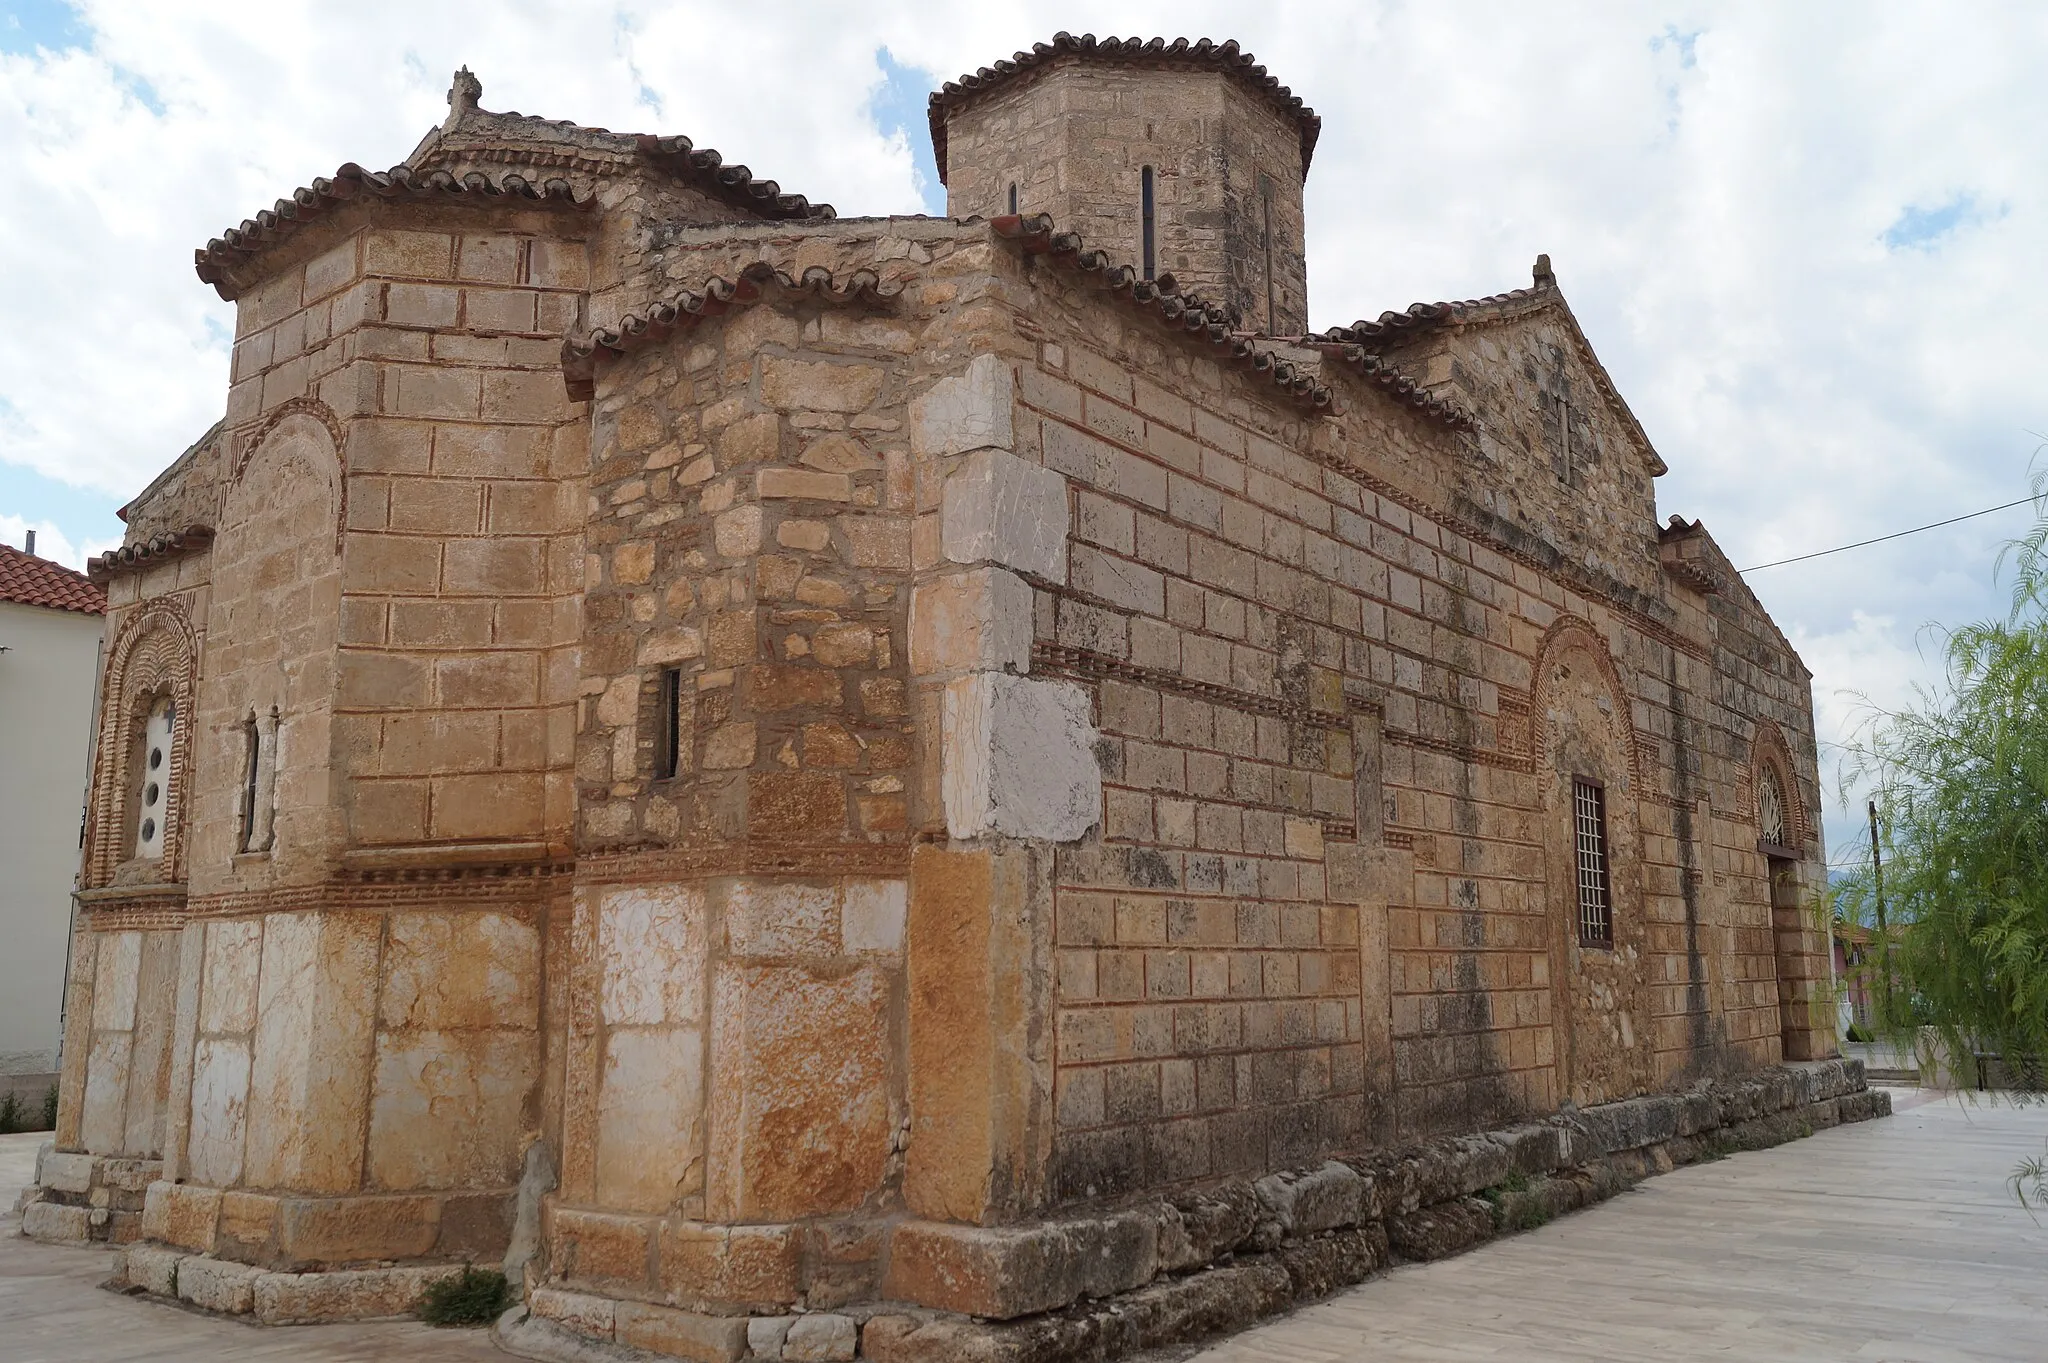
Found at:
[252, 765]
[1589, 819]
[668, 726]
[1013, 196]
[1147, 222]
[1266, 235]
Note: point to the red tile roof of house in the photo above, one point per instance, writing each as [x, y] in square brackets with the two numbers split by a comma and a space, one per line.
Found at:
[33, 581]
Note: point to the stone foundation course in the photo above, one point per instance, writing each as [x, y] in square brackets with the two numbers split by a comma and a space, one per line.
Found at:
[86, 1199]
[1218, 1258]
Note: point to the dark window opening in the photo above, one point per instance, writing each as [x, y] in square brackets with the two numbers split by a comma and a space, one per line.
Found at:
[1589, 822]
[252, 764]
[1146, 222]
[1266, 231]
[1013, 196]
[668, 726]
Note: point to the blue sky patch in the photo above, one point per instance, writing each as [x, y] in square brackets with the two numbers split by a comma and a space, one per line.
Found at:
[1681, 43]
[1921, 229]
[26, 25]
[898, 106]
[85, 515]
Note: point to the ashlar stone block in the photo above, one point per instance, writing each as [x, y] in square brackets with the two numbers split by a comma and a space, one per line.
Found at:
[801, 1108]
[970, 411]
[979, 620]
[1001, 509]
[1019, 758]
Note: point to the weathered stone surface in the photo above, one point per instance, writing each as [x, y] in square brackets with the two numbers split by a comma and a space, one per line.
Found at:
[579, 1311]
[1019, 759]
[1312, 1201]
[152, 1268]
[65, 1173]
[55, 1223]
[1004, 510]
[801, 1104]
[757, 1266]
[969, 411]
[766, 1333]
[345, 1230]
[217, 1285]
[820, 1338]
[592, 1244]
[1004, 1272]
[681, 1334]
[1439, 1231]
[182, 1214]
[977, 620]
[349, 1294]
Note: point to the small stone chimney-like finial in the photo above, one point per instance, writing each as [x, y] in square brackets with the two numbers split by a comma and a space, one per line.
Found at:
[463, 95]
[1544, 278]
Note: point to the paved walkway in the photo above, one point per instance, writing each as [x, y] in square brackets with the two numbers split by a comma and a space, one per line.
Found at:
[1892, 1240]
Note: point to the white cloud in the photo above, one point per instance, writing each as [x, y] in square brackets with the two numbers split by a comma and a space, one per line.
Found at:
[1714, 182]
[51, 541]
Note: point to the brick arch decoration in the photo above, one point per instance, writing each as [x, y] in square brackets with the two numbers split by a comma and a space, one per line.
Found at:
[1565, 631]
[153, 652]
[337, 436]
[1768, 749]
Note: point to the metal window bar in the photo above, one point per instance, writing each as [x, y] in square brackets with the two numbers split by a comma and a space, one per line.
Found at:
[1596, 915]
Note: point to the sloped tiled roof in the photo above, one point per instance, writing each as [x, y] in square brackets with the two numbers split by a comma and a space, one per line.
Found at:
[31, 581]
[1224, 56]
[147, 553]
[351, 182]
[655, 321]
[1164, 300]
[1391, 329]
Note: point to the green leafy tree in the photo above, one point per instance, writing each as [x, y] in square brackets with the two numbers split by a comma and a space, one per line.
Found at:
[1958, 915]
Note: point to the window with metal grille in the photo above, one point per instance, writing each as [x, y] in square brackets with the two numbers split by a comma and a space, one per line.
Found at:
[1770, 809]
[1589, 821]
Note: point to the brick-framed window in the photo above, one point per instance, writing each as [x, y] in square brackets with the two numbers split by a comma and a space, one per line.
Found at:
[1589, 839]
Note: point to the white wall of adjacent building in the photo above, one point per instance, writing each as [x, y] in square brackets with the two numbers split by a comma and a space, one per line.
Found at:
[47, 675]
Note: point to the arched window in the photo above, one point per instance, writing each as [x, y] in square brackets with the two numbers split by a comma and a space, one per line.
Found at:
[151, 782]
[1770, 809]
[1013, 196]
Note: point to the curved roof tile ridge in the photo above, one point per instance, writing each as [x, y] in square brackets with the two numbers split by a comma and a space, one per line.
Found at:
[214, 260]
[1391, 327]
[155, 549]
[1164, 299]
[713, 296]
[1225, 56]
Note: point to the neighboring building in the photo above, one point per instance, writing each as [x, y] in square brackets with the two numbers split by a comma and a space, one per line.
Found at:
[50, 619]
[732, 749]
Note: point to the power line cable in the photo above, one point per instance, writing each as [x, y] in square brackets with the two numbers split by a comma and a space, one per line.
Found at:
[1896, 534]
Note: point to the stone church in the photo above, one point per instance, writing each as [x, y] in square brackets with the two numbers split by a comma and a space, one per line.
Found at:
[819, 784]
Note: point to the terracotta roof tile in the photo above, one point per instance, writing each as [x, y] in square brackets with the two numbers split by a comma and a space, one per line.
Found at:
[1164, 300]
[760, 280]
[1224, 56]
[351, 182]
[131, 558]
[31, 581]
[1392, 328]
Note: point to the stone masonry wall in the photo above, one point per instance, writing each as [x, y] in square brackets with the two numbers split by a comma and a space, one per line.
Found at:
[1074, 139]
[1246, 586]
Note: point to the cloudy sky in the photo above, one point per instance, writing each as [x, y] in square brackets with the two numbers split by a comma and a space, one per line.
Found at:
[1806, 239]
